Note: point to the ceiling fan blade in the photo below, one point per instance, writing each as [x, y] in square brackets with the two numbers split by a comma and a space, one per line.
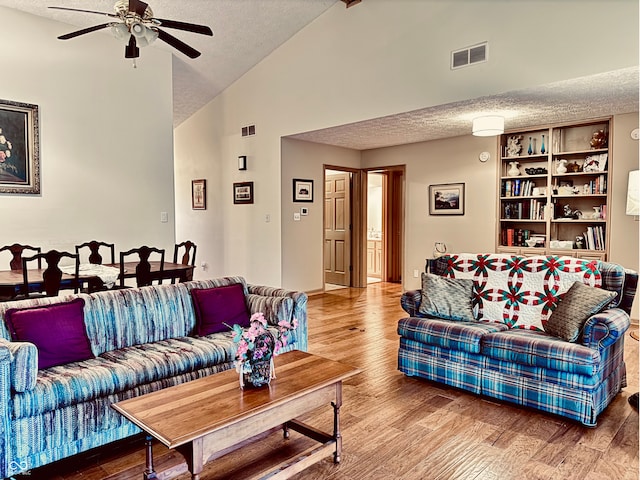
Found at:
[83, 31]
[131, 50]
[138, 7]
[178, 44]
[188, 27]
[86, 11]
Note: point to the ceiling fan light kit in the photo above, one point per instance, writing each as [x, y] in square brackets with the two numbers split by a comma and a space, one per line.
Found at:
[138, 28]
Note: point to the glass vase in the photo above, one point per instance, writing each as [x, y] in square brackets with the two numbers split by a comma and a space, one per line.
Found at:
[542, 149]
[530, 151]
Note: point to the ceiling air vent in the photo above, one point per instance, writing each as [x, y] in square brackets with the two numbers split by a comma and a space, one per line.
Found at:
[249, 130]
[469, 56]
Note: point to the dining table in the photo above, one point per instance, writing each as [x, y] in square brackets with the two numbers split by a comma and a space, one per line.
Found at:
[11, 281]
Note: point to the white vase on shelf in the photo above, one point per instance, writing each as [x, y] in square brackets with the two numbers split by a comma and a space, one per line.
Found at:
[514, 171]
[561, 166]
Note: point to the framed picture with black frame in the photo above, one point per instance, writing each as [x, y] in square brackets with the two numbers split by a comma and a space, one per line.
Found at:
[243, 193]
[446, 199]
[302, 190]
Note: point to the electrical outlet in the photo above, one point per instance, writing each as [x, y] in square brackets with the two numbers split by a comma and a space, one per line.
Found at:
[296, 216]
[267, 218]
[416, 273]
[164, 217]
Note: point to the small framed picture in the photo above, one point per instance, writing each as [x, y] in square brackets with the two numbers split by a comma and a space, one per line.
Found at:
[243, 192]
[446, 199]
[302, 190]
[199, 194]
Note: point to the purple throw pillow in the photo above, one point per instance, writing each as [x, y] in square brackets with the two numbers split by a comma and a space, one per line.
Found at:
[218, 306]
[57, 331]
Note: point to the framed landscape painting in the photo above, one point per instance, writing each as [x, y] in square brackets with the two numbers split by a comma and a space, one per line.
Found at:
[19, 148]
[446, 199]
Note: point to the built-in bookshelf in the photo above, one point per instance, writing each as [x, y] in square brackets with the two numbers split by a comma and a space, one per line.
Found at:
[553, 185]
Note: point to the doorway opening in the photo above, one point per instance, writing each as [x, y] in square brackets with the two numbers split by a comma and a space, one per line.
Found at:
[363, 226]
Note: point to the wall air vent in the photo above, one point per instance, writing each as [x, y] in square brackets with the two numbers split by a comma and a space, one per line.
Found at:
[249, 130]
[469, 56]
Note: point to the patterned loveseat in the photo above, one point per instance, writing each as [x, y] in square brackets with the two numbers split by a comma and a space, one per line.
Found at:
[529, 334]
[140, 339]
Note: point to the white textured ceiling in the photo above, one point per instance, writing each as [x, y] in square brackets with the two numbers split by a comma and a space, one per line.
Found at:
[582, 98]
[246, 31]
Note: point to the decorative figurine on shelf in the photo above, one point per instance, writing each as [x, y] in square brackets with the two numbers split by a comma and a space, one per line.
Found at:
[580, 241]
[596, 215]
[542, 149]
[514, 171]
[568, 212]
[598, 140]
[573, 167]
[561, 166]
[530, 151]
[513, 145]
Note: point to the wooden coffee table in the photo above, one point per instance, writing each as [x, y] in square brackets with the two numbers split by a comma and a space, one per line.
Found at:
[206, 418]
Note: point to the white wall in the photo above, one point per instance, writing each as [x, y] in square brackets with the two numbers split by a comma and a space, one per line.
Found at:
[302, 248]
[106, 139]
[375, 59]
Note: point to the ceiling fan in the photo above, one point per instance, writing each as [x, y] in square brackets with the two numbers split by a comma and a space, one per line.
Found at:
[139, 27]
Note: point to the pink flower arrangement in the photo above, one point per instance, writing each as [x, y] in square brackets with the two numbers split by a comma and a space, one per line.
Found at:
[257, 344]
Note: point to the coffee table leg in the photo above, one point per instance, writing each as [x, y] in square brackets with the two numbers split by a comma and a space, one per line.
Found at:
[336, 423]
[285, 431]
[149, 472]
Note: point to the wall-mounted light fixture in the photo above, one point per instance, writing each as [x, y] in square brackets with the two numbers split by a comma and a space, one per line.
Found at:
[242, 162]
[633, 193]
[488, 126]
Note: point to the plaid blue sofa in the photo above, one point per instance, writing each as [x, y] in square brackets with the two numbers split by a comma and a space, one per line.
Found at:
[525, 366]
[143, 340]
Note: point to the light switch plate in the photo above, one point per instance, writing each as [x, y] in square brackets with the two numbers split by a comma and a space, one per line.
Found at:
[164, 217]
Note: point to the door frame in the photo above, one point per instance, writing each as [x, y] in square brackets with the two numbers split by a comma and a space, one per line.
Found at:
[394, 219]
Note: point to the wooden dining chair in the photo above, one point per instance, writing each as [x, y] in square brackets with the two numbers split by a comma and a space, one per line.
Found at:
[187, 258]
[16, 251]
[50, 282]
[94, 251]
[143, 274]
[92, 248]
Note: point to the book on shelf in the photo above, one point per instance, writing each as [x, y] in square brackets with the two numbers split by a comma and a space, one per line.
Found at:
[594, 237]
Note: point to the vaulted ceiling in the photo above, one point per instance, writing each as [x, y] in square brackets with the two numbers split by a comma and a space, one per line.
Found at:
[246, 31]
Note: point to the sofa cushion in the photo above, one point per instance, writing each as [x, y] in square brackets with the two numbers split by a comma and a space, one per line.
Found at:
[120, 370]
[575, 307]
[519, 291]
[449, 298]
[456, 335]
[219, 308]
[57, 330]
[539, 349]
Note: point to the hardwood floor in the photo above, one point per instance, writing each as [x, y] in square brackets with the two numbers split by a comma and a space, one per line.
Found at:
[395, 427]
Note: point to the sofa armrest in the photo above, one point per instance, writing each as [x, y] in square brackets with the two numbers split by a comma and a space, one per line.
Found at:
[605, 328]
[410, 302]
[23, 360]
[299, 311]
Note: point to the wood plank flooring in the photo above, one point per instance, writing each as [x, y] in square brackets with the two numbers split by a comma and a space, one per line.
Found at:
[396, 427]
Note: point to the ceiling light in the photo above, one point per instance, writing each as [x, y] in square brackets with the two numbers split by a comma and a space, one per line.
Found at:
[488, 126]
